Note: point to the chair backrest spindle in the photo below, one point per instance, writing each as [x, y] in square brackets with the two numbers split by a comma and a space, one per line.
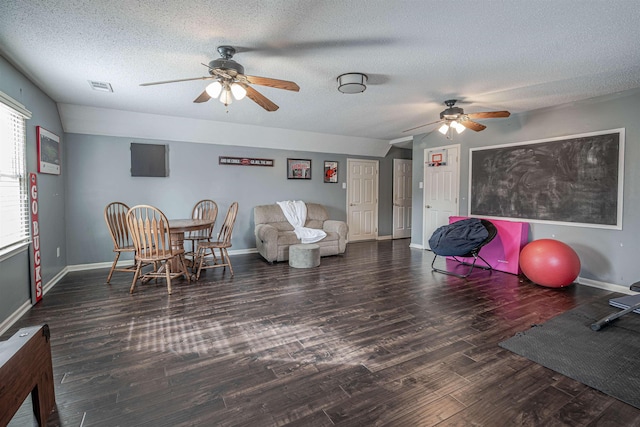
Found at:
[150, 231]
[204, 209]
[115, 215]
[229, 221]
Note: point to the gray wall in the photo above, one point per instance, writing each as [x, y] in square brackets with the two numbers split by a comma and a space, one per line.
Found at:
[14, 271]
[606, 255]
[98, 173]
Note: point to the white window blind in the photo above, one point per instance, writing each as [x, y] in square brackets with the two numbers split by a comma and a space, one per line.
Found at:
[14, 199]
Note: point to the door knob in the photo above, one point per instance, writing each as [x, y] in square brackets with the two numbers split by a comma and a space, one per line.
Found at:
[427, 206]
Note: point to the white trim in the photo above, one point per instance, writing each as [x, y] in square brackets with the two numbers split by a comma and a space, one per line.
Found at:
[388, 237]
[13, 318]
[606, 286]
[244, 251]
[14, 250]
[417, 246]
[55, 280]
[9, 101]
[107, 264]
[92, 266]
[24, 308]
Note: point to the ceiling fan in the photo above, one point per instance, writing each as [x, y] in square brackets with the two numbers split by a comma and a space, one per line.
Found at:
[230, 82]
[455, 118]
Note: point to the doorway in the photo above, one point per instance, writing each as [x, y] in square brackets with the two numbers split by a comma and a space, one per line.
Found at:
[362, 199]
[441, 188]
[402, 198]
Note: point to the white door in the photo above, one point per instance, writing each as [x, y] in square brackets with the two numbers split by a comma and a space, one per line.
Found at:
[441, 188]
[401, 198]
[362, 199]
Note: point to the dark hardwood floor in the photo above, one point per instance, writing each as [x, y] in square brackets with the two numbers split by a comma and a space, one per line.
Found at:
[370, 338]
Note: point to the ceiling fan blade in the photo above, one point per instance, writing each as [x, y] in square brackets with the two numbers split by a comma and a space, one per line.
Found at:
[421, 126]
[203, 97]
[470, 124]
[260, 99]
[278, 84]
[178, 80]
[489, 115]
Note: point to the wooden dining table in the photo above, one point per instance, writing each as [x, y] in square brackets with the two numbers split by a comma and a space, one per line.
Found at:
[178, 227]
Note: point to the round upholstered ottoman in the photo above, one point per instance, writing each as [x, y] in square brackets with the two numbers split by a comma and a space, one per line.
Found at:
[304, 256]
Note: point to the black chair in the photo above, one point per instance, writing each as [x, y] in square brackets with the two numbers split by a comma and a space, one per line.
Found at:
[470, 236]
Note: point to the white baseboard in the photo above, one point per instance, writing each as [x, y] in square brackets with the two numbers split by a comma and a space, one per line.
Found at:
[13, 318]
[99, 265]
[606, 286]
[94, 266]
[244, 251]
[24, 308]
[416, 246]
[384, 238]
[50, 284]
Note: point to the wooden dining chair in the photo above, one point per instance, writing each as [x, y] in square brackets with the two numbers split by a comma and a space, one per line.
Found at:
[151, 238]
[222, 243]
[115, 215]
[204, 209]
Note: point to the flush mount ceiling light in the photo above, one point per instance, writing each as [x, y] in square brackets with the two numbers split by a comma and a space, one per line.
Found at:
[352, 82]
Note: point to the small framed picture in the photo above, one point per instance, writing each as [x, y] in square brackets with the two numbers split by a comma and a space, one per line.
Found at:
[298, 169]
[330, 171]
[48, 151]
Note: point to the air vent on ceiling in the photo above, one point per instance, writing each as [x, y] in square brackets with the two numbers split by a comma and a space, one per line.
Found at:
[101, 86]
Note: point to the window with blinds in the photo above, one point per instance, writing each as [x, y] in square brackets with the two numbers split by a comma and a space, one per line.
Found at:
[14, 198]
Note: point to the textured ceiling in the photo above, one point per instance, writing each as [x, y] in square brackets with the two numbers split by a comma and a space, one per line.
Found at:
[513, 55]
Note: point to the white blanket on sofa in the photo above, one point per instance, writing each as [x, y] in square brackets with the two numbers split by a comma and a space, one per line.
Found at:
[296, 213]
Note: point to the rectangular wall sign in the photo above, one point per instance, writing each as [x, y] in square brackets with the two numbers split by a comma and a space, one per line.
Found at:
[244, 161]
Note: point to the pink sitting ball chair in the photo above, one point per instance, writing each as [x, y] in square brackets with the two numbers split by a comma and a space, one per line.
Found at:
[550, 263]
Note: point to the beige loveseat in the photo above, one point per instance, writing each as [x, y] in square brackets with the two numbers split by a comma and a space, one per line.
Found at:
[274, 234]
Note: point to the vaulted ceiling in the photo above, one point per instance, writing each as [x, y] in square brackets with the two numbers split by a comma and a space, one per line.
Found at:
[492, 55]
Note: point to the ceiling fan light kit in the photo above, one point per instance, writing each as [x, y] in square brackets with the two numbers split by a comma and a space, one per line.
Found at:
[214, 89]
[455, 118]
[238, 91]
[223, 91]
[448, 126]
[352, 82]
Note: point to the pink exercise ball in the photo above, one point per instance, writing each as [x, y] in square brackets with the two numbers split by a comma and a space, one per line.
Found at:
[550, 263]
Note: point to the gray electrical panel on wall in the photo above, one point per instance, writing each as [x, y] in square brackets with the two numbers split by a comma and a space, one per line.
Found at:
[149, 160]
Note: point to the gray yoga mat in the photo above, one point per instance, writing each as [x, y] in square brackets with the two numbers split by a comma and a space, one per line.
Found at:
[607, 360]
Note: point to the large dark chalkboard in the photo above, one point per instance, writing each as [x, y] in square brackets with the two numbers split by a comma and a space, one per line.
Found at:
[577, 180]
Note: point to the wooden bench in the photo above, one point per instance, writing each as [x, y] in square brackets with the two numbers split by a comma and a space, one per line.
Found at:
[26, 368]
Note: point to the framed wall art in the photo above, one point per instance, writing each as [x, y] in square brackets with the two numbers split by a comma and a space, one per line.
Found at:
[330, 171]
[571, 180]
[298, 169]
[48, 151]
